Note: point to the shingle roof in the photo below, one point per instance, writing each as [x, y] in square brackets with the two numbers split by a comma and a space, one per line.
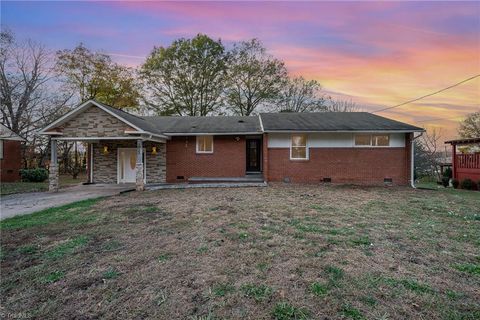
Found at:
[332, 121]
[7, 134]
[319, 121]
[214, 124]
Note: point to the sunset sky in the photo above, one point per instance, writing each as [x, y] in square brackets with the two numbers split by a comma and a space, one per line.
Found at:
[376, 53]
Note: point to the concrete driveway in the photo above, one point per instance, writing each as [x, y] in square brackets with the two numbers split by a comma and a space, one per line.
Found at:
[25, 203]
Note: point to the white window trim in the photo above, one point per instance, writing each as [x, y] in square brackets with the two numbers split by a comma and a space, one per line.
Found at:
[196, 145]
[371, 141]
[307, 151]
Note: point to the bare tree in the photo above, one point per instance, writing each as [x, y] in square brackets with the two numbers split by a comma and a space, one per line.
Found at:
[27, 99]
[24, 72]
[339, 105]
[431, 144]
[300, 95]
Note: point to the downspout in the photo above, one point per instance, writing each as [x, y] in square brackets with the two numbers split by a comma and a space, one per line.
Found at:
[412, 161]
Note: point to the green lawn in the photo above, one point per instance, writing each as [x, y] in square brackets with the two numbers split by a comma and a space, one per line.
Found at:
[21, 187]
[282, 252]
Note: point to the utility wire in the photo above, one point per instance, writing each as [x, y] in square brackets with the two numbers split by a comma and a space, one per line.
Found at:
[438, 119]
[428, 95]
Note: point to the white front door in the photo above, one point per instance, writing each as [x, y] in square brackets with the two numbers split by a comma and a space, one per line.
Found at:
[127, 161]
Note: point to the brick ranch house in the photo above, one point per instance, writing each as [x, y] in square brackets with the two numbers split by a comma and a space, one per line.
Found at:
[10, 155]
[338, 147]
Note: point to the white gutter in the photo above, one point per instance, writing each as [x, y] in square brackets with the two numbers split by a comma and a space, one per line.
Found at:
[343, 131]
[174, 134]
[412, 161]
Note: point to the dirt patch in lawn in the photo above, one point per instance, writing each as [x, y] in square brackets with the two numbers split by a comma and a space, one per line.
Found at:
[286, 251]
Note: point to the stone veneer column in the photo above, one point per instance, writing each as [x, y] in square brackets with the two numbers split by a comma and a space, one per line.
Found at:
[53, 169]
[139, 167]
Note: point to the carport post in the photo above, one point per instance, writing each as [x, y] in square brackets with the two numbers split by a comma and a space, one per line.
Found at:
[53, 169]
[139, 167]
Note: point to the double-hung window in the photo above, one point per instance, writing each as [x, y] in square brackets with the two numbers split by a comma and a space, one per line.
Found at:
[204, 144]
[298, 147]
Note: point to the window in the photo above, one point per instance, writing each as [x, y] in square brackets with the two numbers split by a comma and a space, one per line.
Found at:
[381, 140]
[204, 144]
[298, 148]
[363, 140]
[376, 140]
[1, 149]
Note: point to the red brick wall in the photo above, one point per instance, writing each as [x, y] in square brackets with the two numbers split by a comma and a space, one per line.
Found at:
[342, 165]
[227, 159]
[11, 163]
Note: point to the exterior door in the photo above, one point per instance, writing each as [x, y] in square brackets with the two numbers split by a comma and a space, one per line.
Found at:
[127, 162]
[253, 154]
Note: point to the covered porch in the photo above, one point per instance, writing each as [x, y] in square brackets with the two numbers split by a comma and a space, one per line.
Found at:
[121, 148]
[110, 160]
[466, 162]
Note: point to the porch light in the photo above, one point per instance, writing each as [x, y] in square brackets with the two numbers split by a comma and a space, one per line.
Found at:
[105, 150]
[154, 150]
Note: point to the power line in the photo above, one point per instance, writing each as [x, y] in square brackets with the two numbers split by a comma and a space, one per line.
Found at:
[438, 119]
[428, 95]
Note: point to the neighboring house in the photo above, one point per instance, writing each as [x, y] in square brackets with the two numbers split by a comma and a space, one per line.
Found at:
[10, 155]
[466, 165]
[338, 147]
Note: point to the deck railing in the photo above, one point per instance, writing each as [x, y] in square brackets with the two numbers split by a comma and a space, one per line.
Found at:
[468, 161]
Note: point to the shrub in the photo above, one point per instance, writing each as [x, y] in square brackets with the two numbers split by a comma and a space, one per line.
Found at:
[468, 184]
[34, 175]
[448, 173]
[445, 181]
[455, 183]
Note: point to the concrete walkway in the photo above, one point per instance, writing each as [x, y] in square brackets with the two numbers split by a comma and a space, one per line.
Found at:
[25, 203]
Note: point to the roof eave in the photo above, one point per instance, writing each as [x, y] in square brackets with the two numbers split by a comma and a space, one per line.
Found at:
[342, 131]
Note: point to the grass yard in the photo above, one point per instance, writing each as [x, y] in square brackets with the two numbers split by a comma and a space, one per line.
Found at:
[21, 187]
[283, 252]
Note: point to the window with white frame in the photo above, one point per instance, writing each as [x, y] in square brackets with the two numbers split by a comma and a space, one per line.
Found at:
[298, 147]
[375, 140]
[204, 144]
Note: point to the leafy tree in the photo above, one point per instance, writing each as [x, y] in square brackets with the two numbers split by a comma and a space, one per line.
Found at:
[95, 76]
[470, 127]
[187, 77]
[254, 77]
[300, 95]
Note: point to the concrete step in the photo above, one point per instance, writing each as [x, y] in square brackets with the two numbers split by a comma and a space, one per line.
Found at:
[246, 179]
[205, 185]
